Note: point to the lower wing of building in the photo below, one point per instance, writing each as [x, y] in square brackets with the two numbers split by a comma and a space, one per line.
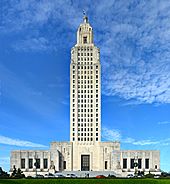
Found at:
[76, 157]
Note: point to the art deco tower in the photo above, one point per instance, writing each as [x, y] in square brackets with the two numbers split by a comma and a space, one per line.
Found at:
[85, 88]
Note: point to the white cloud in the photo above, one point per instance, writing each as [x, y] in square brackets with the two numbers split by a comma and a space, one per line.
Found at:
[134, 38]
[140, 142]
[32, 44]
[135, 50]
[111, 134]
[163, 122]
[18, 142]
[163, 142]
[115, 135]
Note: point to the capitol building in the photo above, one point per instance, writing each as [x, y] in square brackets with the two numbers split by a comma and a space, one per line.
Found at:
[85, 152]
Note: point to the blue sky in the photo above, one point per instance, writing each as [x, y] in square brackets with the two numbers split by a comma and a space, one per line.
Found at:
[35, 41]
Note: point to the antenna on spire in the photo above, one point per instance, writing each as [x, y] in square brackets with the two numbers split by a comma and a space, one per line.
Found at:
[85, 18]
[84, 12]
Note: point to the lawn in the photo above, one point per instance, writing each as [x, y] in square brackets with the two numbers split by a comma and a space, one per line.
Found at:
[85, 181]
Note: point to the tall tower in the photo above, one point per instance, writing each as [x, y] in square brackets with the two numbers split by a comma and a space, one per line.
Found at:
[85, 88]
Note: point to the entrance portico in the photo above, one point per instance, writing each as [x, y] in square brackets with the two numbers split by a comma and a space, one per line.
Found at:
[85, 162]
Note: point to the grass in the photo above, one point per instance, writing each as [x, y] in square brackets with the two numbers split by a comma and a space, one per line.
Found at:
[85, 181]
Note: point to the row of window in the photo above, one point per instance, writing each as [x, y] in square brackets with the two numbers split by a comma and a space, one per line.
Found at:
[90, 65]
[138, 163]
[85, 67]
[86, 124]
[85, 59]
[85, 129]
[85, 86]
[84, 91]
[88, 106]
[85, 139]
[85, 120]
[84, 72]
[86, 81]
[36, 164]
[85, 105]
[85, 48]
[85, 115]
[84, 54]
[85, 134]
[84, 76]
[86, 101]
[85, 62]
[85, 110]
[84, 96]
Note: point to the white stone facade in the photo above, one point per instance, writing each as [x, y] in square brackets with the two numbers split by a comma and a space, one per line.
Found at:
[85, 151]
[85, 88]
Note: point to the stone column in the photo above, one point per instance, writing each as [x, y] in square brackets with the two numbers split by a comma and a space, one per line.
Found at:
[128, 161]
[42, 160]
[26, 160]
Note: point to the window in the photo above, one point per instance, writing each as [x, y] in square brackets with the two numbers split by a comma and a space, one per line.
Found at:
[125, 163]
[132, 163]
[139, 163]
[37, 163]
[105, 164]
[23, 163]
[85, 39]
[30, 163]
[45, 163]
[64, 164]
[147, 163]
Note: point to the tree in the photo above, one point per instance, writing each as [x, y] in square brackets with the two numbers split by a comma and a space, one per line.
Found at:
[17, 173]
[3, 174]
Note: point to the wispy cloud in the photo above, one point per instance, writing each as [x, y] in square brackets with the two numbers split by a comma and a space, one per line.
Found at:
[32, 44]
[115, 135]
[18, 142]
[111, 134]
[134, 37]
[140, 142]
[39, 25]
[163, 122]
[135, 50]
[163, 142]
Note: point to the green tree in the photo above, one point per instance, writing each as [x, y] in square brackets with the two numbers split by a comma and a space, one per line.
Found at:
[17, 173]
[3, 174]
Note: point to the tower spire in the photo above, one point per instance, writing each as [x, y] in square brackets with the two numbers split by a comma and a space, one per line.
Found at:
[85, 18]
